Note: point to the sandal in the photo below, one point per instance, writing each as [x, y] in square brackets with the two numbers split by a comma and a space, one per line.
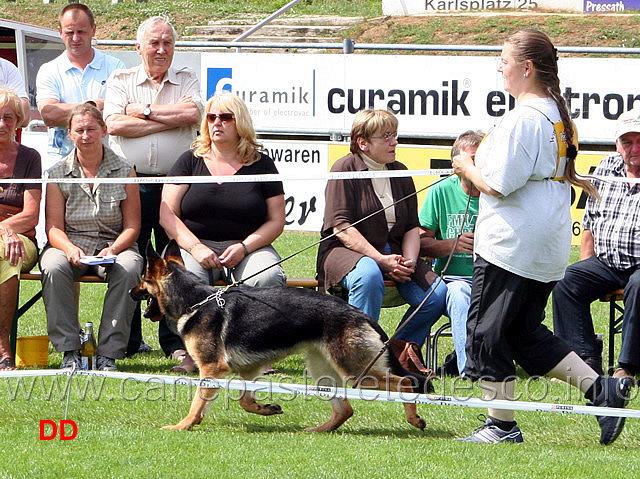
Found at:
[187, 364]
[622, 373]
[7, 364]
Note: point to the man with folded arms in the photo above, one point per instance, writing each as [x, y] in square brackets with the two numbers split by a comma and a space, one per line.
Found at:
[152, 112]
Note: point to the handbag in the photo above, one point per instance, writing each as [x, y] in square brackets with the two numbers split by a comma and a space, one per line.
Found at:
[7, 211]
[410, 357]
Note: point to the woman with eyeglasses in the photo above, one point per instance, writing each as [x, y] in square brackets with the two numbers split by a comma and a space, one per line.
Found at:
[226, 229]
[385, 246]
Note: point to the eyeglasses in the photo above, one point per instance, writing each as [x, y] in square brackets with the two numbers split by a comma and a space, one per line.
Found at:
[388, 136]
[211, 117]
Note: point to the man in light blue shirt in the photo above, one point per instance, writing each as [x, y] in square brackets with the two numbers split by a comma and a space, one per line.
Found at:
[79, 74]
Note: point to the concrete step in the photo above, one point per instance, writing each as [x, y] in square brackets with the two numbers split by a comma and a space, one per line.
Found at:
[318, 20]
[261, 38]
[267, 30]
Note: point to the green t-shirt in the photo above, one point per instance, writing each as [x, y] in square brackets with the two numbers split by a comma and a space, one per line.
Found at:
[443, 211]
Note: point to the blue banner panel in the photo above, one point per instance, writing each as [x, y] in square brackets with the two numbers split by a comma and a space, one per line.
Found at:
[608, 6]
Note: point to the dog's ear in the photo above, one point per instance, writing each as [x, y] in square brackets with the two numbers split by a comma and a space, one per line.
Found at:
[151, 253]
[172, 252]
[155, 264]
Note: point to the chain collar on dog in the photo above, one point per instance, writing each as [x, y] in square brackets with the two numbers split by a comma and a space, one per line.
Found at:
[217, 296]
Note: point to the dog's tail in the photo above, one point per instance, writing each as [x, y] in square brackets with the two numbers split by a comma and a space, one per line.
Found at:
[421, 384]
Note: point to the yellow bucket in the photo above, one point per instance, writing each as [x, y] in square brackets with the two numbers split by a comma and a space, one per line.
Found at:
[32, 351]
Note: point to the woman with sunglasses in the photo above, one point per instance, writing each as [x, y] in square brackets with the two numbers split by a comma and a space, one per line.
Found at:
[385, 246]
[225, 230]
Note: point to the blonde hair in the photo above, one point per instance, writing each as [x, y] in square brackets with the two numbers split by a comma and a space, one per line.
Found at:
[248, 146]
[368, 122]
[9, 97]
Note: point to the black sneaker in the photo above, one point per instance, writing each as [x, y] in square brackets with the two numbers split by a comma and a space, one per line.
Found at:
[70, 359]
[489, 433]
[450, 366]
[144, 347]
[104, 363]
[614, 393]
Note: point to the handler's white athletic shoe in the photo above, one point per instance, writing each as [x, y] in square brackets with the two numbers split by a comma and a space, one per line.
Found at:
[488, 433]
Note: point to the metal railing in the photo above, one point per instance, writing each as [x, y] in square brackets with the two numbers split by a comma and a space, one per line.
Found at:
[261, 24]
[349, 46]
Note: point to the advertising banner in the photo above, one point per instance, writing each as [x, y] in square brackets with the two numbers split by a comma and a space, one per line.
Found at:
[304, 200]
[604, 6]
[432, 96]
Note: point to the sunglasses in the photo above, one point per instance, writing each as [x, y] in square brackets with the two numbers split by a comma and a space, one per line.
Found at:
[388, 136]
[211, 117]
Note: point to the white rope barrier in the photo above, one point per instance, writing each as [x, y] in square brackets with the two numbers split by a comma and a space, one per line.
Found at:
[326, 392]
[337, 175]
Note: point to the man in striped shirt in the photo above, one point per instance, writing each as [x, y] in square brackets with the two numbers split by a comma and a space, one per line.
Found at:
[609, 256]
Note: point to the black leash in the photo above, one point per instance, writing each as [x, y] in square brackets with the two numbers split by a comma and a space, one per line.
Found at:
[438, 280]
[220, 291]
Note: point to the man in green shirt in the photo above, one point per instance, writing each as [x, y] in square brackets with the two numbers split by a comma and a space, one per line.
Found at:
[441, 218]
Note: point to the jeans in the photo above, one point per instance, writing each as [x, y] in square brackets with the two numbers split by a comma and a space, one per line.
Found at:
[365, 283]
[583, 283]
[458, 301]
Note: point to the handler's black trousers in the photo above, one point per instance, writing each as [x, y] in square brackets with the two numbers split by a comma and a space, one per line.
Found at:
[505, 325]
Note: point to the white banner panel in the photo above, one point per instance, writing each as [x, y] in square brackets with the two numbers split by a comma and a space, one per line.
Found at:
[434, 96]
[304, 200]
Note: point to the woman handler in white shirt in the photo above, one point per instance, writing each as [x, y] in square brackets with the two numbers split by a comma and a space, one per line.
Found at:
[522, 241]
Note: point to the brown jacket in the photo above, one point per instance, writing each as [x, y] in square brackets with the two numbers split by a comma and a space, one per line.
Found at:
[351, 200]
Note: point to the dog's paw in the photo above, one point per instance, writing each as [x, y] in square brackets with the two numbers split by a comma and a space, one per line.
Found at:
[418, 422]
[270, 409]
[177, 427]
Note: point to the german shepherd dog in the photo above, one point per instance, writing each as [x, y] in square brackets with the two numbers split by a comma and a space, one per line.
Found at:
[257, 326]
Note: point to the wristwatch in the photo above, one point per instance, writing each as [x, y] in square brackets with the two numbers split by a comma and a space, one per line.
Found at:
[147, 111]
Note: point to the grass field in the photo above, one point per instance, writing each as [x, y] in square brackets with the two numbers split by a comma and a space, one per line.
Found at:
[119, 423]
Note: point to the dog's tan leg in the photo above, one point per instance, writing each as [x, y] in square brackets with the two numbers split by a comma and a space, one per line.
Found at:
[201, 400]
[400, 384]
[249, 404]
[341, 411]
[248, 399]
